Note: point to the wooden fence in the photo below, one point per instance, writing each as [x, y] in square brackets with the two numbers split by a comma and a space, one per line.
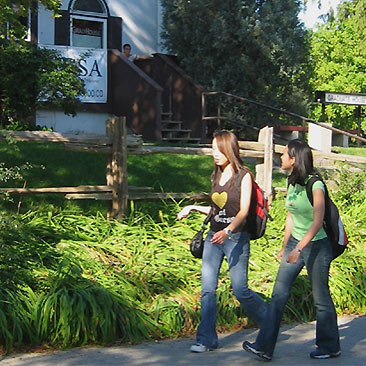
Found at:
[114, 145]
[117, 145]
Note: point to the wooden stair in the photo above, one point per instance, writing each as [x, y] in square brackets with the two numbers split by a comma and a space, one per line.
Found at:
[172, 131]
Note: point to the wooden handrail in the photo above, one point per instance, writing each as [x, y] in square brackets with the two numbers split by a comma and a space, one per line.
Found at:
[278, 110]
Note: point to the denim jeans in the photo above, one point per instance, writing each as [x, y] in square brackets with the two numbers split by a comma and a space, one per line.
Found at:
[237, 252]
[316, 256]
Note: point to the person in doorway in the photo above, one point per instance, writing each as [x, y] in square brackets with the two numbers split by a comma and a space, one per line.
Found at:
[230, 201]
[127, 52]
[305, 244]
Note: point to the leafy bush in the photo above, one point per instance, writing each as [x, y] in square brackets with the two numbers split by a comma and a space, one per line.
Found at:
[79, 279]
[41, 76]
[350, 185]
[29, 75]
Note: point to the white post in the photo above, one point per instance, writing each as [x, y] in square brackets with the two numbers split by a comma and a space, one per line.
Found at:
[320, 138]
[264, 170]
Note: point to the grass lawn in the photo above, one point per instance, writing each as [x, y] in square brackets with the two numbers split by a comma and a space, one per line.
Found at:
[52, 166]
[360, 151]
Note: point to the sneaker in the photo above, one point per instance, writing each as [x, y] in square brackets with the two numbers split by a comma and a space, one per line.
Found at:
[324, 355]
[249, 347]
[200, 348]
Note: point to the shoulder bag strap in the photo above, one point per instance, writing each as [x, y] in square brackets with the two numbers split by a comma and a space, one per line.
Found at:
[207, 219]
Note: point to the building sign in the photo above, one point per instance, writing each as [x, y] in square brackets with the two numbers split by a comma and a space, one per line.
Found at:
[93, 70]
[340, 98]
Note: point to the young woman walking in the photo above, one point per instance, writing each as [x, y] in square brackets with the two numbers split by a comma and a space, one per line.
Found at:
[305, 244]
[230, 201]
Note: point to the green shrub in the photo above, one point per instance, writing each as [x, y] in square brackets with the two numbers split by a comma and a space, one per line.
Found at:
[350, 185]
[84, 280]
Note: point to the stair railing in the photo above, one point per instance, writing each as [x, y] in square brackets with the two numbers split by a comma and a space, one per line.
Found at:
[304, 120]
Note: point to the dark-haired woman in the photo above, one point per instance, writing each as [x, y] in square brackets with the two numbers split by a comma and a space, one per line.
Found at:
[230, 201]
[305, 244]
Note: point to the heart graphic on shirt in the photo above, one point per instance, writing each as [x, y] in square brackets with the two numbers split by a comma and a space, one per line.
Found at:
[219, 199]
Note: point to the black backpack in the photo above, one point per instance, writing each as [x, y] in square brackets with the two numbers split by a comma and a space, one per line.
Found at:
[333, 224]
[258, 212]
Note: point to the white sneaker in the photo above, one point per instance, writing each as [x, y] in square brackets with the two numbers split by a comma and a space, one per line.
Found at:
[199, 348]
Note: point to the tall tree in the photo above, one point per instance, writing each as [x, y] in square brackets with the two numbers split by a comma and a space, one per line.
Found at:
[338, 52]
[253, 48]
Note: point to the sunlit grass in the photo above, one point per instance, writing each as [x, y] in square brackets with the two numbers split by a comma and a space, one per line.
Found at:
[360, 151]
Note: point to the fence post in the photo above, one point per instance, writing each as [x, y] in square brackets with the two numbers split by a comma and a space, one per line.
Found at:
[117, 167]
[264, 170]
[109, 175]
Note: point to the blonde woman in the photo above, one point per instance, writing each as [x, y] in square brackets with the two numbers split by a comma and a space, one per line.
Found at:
[228, 237]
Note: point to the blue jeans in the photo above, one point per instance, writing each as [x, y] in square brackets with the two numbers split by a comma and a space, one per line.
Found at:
[237, 252]
[316, 257]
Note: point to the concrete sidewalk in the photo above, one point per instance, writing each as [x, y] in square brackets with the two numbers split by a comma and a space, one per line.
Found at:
[294, 345]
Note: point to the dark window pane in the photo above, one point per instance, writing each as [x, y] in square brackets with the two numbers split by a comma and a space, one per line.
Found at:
[93, 6]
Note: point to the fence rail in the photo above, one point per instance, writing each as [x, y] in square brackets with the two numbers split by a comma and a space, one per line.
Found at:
[116, 144]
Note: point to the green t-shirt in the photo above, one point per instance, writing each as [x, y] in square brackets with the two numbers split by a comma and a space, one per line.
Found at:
[302, 213]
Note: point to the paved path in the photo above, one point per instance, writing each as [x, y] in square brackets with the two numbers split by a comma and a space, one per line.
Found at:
[294, 345]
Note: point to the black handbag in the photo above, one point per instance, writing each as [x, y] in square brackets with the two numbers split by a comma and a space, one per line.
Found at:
[196, 245]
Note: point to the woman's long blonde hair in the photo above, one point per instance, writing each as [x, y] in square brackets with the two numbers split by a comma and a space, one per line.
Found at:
[228, 145]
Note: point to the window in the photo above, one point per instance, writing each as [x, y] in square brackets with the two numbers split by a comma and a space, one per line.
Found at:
[88, 24]
[89, 6]
[87, 33]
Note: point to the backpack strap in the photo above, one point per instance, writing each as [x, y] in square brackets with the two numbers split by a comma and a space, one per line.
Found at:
[309, 187]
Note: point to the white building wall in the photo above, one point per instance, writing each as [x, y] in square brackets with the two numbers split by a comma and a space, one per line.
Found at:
[141, 24]
[160, 48]
[46, 26]
[85, 122]
[140, 27]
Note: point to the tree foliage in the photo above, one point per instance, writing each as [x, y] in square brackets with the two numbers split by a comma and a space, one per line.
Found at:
[12, 12]
[256, 49]
[339, 58]
[29, 76]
